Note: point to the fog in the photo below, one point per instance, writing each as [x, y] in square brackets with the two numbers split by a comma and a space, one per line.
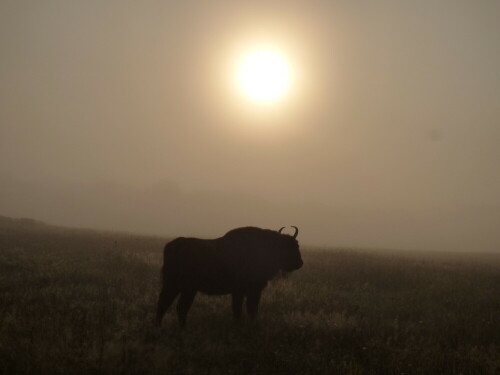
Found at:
[121, 115]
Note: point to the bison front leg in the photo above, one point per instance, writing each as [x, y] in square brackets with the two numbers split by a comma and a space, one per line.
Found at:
[237, 302]
[185, 302]
[253, 299]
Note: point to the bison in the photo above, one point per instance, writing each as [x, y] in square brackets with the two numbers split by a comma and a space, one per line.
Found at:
[240, 263]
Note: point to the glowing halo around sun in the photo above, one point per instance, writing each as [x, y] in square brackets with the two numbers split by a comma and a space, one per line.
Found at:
[263, 75]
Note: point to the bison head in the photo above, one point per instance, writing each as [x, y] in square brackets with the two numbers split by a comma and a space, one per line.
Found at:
[289, 258]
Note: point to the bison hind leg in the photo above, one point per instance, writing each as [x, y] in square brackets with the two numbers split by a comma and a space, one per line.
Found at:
[167, 297]
[185, 302]
[253, 298]
[237, 304]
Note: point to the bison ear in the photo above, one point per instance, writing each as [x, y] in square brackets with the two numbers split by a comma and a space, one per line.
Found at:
[281, 229]
[296, 231]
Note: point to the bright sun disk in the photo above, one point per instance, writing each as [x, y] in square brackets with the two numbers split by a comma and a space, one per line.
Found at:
[263, 75]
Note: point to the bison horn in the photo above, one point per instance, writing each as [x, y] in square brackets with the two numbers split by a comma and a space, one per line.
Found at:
[281, 230]
[296, 231]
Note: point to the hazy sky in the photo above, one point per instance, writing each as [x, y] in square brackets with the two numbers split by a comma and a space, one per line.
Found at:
[395, 107]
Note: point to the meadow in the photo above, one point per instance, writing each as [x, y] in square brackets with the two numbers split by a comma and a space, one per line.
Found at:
[83, 302]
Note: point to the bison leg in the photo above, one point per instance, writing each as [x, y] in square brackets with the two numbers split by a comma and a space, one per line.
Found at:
[237, 305]
[167, 297]
[187, 298]
[253, 299]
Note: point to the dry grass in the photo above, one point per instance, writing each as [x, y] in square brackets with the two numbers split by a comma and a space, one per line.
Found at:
[83, 302]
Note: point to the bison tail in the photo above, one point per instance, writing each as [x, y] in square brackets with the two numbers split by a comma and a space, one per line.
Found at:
[162, 276]
[163, 268]
[168, 252]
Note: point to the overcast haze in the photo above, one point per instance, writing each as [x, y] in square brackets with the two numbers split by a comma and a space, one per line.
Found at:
[121, 115]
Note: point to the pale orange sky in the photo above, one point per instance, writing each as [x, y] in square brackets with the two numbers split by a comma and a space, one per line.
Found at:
[395, 109]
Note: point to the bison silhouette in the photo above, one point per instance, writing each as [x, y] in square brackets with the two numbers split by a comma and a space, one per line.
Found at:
[240, 263]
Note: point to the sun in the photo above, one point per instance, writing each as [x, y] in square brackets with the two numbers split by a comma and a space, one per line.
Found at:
[263, 75]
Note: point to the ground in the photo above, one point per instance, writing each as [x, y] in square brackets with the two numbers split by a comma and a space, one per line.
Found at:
[81, 301]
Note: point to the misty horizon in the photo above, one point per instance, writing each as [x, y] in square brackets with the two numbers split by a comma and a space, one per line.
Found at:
[166, 209]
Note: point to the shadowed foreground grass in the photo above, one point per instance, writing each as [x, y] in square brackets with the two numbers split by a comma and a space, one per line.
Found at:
[75, 301]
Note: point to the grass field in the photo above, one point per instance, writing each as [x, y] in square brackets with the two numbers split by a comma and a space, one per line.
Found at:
[79, 301]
